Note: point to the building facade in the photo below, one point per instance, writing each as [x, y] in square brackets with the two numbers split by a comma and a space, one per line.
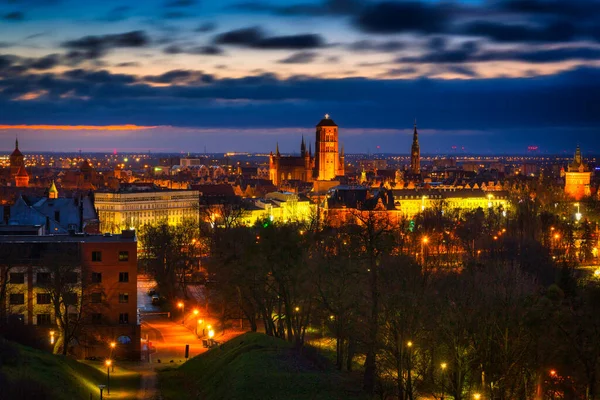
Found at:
[94, 275]
[134, 209]
[326, 165]
[577, 177]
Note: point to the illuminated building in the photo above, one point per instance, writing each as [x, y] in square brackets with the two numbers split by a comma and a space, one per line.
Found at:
[128, 208]
[18, 173]
[327, 163]
[415, 153]
[101, 289]
[577, 177]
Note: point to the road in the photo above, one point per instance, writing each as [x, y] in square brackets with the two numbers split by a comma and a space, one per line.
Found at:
[168, 338]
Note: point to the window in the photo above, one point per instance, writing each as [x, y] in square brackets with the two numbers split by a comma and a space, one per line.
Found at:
[43, 319]
[70, 298]
[96, 297]
[43, 298]
[43, 278]
[96, 277]
[71, 277]
[17, 277]
[123, 297]
[96, 256]
[17, 298]
[124, 339]
[123, 256]
[123, 276]
[96, 318]
[123, 318]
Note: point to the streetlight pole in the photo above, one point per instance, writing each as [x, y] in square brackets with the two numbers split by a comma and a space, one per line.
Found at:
[409, 377]
[108, 364]
[182, 306]
[443, 365]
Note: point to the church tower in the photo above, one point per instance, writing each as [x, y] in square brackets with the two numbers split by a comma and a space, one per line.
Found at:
[327, 164]
[16, 160]
[415, 153]
[577, 177]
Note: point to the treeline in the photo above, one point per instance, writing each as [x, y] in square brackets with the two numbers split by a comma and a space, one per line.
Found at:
[446, 305]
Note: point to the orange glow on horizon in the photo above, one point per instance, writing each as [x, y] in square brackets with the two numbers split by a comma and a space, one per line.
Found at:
[126, 127]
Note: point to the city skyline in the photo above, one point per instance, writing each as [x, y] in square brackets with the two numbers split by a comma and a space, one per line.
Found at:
[174, 76]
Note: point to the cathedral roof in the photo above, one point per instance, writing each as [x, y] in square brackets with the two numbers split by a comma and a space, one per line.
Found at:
[326, 121]
[16, 153]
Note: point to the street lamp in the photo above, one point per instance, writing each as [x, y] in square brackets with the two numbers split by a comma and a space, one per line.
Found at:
[108, 364]
[52, 337]
[477, 396]
[182, 306]
[200, 321]
[443, 366]
[578, 213]
[101, 387]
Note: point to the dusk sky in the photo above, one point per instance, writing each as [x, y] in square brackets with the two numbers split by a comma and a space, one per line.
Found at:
[235, 75]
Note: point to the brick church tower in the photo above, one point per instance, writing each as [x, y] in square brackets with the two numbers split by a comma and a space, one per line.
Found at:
[328, 163]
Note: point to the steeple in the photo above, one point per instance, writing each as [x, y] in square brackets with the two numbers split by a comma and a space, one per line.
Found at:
[302, 147]
[277, 150]
[16, 143]
[415, 153]
[310, 149]
[577, 158]
[53, 191]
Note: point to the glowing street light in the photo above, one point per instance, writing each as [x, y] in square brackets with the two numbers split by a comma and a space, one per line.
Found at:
[409, 344]
[444, 366]
[211, 334]
[477, 396]
[52, 337]
[196, 312]
[578, 213]
[182, 306]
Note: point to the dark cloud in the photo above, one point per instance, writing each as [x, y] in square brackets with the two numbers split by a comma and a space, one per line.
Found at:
[304, 57]
[325, 8]
[47, 62]
[389, 46]
[554, 32]
[91, 47]
[206, 27]
[199, 50]
[410, 16]
[462, 70]
[181, 77]
[254, 37]
[556, 8]
[400, 71]
[470, 52]
[14, 16]
[128, 64]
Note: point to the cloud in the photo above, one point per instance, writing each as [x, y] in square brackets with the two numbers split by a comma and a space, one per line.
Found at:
[325, 8]
[500, 32]
[47, 62]
[410, 16]
[304, 57]
[198, 50]
[181, 77]
[14, 16]
[92, 47]
[254, 37]
[470, 52]
[389, 46]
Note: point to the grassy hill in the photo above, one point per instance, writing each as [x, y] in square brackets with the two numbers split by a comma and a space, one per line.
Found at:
[27, 373]
[254, 366]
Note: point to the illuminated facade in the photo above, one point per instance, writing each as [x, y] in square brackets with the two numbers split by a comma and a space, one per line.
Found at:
[102, 289]
[577, 178]
[18, 173]
[327, 163]
[122, 210]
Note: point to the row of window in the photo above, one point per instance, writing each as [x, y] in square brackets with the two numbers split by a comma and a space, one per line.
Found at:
[42, 298]
[96, 297]
[45, 278]
[97, 256]
[46, 319]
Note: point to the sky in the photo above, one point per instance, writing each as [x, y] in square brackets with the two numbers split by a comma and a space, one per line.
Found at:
[486, 76]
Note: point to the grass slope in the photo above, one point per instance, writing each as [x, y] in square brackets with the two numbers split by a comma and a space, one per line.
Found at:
[28, 373]
[48, 375]
[253, 366]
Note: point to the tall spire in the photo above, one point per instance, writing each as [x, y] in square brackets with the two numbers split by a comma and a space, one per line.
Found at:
[415, 153]
[277, 149]
[302, 147]
[17, 143]
[415, 134]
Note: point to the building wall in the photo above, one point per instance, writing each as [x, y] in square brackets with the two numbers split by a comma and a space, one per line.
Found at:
[95, 332]
[118, 211]
[577, 184]
[327, 152]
